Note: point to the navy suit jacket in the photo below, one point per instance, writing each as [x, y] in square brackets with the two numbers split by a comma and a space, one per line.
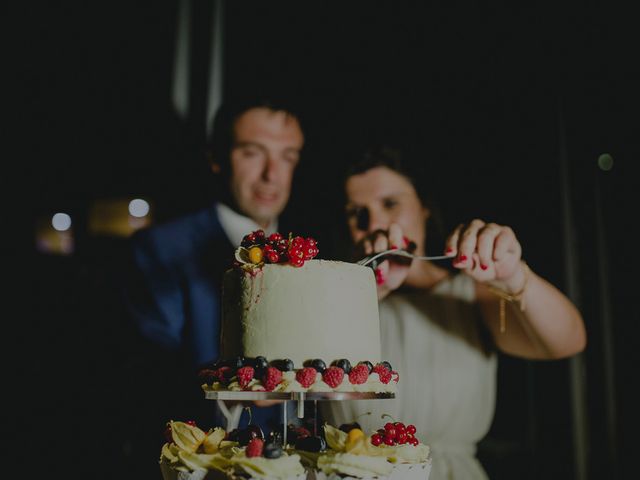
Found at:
[175, 300]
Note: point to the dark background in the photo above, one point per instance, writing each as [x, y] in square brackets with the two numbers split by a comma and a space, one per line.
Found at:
[489, 99]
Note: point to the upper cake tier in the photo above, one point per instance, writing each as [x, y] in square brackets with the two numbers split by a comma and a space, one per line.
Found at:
[322, 309]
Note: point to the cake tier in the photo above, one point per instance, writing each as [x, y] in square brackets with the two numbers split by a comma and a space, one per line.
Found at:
[324, 309]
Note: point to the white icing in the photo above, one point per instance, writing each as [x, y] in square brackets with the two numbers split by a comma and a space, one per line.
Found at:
[324, 309]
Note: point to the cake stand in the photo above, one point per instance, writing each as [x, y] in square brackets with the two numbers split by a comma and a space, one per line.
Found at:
[299, 397]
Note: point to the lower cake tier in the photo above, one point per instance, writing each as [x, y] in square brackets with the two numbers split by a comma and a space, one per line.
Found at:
[331, 454]
[260, 375]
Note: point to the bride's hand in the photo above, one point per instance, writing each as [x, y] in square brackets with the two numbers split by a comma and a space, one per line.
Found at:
[488, 252]
[393, 271]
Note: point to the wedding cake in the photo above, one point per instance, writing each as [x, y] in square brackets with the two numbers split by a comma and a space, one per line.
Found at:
[294, 323]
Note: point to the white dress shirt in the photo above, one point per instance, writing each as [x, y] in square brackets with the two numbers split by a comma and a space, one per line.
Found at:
[236, 226]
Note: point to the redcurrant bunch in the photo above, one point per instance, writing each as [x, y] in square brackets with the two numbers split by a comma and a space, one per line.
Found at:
[294, 250]
[395, 433]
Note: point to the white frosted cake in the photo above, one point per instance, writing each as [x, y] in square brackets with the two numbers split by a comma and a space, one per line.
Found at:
[292, 323]
[324, 309]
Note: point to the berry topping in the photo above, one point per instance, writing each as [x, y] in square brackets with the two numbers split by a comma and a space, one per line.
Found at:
[254, 447]
[260, 363]
[257, 249]
[395, 433]
[383, 372]
[318, 364]
[333, 376]
[306, 376]
[359, 374]
[245, 375]
[272, 450]
[344, 364]
[249, 433]
[272, 377]
[208, 376]
[224, 375]
[284, 365]
[368, 364]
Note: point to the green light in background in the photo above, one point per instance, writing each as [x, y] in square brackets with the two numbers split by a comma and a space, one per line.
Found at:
[605, 162]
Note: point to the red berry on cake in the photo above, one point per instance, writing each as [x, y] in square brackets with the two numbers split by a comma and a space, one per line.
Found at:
[270, 254]
[359, 374]
[411, 429]
[254, 448]
[272, 377]
[297, 242]
[245, 375]
[306, 376]
[275, 237]
[376, 439]
[333, 376]
[296, 256]
[383, 372]
[343, 363]
[318, 364]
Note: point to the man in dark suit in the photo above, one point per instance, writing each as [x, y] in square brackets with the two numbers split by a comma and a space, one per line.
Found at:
[175, 293]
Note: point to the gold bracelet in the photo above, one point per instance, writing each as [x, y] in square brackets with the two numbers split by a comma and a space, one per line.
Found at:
[511, 297]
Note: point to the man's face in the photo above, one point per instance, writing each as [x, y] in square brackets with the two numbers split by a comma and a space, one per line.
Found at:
[264, 155]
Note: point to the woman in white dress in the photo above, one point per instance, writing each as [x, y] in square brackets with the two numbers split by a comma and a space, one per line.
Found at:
[441, 330]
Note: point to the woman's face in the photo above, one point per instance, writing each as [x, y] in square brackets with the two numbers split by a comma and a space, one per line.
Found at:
[381, 196]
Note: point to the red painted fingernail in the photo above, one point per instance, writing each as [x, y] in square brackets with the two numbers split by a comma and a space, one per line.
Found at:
[448, 250]
[406, 241]
[379, 276]
[463, 258]
[394, 247]
[483, 267]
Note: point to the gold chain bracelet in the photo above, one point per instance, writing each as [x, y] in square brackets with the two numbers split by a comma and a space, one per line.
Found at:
[511, 297]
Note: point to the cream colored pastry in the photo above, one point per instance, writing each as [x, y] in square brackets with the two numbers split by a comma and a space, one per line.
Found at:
[324, 309]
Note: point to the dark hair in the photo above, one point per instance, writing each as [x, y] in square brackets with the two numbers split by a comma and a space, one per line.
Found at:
[221, 139]
[390, 156]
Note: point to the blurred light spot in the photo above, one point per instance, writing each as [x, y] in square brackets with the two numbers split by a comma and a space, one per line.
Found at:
[138, 208]
[605, 162]
[61, 222]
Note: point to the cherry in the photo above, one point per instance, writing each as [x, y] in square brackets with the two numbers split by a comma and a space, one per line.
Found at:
[376, 439]
[388, 441]
[411, 429]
